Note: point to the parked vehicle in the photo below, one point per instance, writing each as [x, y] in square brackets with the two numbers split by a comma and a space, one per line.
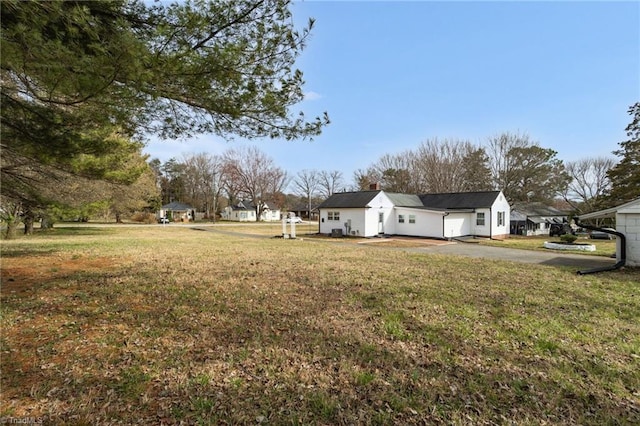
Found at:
[163, 220]
[600, 235]
[296, 219]
[557, 229]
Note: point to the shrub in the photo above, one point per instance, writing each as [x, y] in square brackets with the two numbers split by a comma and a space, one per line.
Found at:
[568, 238]
[143, 217]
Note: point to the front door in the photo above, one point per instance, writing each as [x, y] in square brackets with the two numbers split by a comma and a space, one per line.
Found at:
[381, 223]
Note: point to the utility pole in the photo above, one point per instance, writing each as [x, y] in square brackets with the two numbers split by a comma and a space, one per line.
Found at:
[214, 197]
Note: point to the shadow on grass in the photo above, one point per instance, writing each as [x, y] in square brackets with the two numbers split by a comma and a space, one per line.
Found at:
[17, 252]
[74, 230]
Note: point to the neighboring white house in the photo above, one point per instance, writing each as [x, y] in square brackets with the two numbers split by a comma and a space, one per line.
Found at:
[373, 213]
[246, 211]
[177, 212]
[535, 218]
[628, 223]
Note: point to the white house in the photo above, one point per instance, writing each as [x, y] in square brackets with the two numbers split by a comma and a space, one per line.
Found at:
[535, 218]
[376, 212]
[628, 223]
[177, 212]
[245, 211]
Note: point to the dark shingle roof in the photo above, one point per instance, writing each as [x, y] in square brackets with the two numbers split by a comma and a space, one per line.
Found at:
[449, 201]
[176, 206]
[243, 205]
[460, 200]
[536, 209]
[347, 200]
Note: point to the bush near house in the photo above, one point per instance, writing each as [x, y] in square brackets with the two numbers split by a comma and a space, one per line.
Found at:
[568, 238]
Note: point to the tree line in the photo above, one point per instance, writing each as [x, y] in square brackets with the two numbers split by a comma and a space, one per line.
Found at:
[511, 162]
[209, 182]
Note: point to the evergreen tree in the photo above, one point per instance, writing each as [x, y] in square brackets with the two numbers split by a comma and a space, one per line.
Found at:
[625, 176]
[76, 73]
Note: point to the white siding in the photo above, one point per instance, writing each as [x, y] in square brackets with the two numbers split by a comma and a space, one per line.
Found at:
[364, 221]
[428, 223]
[380, 204]
[356, 216]
[458, 224]
[501, 205]
[271, 215]
[629, 225]
[481, 230]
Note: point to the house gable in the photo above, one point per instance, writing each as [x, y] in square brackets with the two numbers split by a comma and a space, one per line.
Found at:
[246, 211]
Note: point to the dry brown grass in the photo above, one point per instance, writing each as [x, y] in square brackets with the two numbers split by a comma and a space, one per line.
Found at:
[167, 325]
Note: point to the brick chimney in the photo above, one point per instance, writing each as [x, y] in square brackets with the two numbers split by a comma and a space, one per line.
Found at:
[374, 186]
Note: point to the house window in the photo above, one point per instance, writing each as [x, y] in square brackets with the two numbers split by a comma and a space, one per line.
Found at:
[400, 218]
[480, 219]
[243, 215]
[412, 218]
[500, 218]
[333, 216]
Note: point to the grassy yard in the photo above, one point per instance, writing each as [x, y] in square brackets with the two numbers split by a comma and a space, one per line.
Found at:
[268, 228]
[169, 325]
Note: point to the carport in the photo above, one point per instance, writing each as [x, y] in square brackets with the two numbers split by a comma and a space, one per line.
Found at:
[628, 224]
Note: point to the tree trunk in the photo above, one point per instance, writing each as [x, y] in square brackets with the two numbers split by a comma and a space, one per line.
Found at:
[10, 232]
[118, 217]
[46, 223]
[28, 224]
[12, 219]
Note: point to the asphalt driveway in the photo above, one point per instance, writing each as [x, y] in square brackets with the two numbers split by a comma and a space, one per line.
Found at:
[579, 261]
[470, 249]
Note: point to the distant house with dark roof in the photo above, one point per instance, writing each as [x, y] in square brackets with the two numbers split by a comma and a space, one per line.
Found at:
[535, 218]
[444, 216]
[302, 210]
[247, 211]
[177, 212]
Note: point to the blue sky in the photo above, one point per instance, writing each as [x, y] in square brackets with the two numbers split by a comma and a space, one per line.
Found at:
[393, 74]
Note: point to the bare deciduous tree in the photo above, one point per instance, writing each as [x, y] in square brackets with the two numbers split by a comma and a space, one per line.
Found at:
[329, 182]
[363, 179]
[524, 171]
[396, 172]
[440, 165]
[448, 165]
[306, 184]
[250, 173]
[202, 176]
[503, 165]
[589, 182]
